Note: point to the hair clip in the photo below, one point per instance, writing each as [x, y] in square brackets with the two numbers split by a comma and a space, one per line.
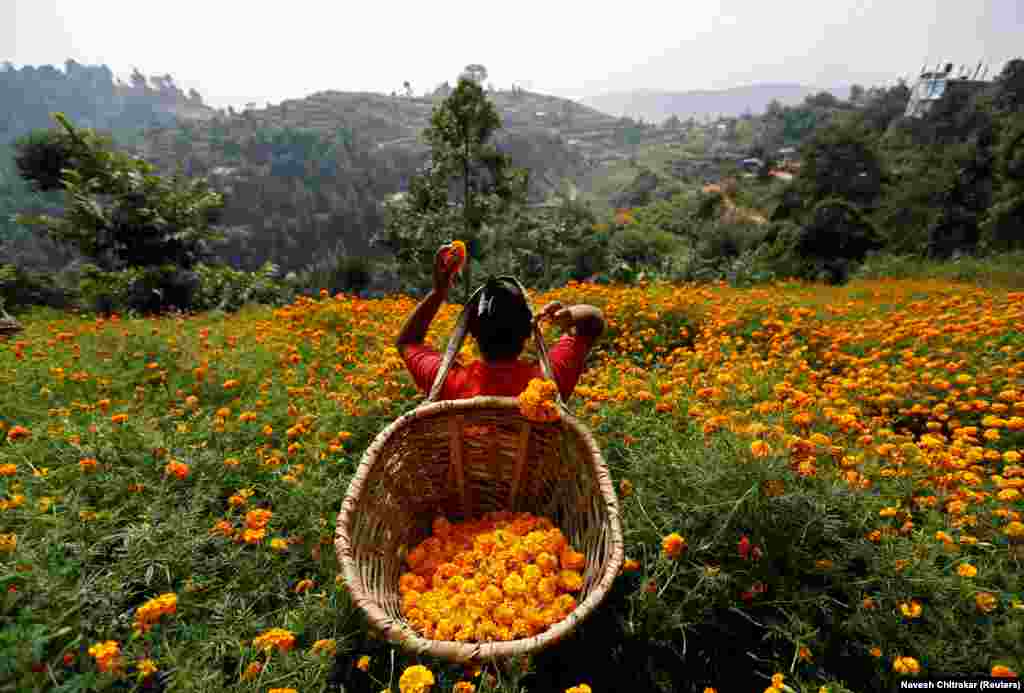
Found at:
[485, 305]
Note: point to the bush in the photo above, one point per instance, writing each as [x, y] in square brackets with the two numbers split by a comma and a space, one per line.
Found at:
[20, 289]
[228, 289]
[338, 274]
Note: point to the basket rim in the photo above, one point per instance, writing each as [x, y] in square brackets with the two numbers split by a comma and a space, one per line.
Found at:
[399, 632]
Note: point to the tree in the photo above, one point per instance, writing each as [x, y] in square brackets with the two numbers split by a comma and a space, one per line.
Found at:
[840, 161]
[119, 213]
[1003, 228]
[836, 235]
[475, 72]
[1009, 87]
[467, 183]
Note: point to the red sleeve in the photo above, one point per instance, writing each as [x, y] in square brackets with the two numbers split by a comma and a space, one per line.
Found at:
[567, 359]
[424, 363]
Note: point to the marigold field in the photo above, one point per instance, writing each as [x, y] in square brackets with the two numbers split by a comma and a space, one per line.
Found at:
[821, 488]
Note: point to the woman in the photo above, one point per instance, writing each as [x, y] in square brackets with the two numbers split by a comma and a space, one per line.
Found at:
[500, 322]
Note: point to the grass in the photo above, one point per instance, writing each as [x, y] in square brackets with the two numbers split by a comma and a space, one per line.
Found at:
[865, 440]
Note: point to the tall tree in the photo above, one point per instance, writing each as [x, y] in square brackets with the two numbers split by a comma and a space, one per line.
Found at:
[117, 211]
[468, 183]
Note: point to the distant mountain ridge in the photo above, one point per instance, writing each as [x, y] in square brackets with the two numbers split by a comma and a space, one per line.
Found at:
[657, 105]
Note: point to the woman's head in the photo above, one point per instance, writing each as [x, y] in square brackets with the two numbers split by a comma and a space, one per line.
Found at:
[500, 320]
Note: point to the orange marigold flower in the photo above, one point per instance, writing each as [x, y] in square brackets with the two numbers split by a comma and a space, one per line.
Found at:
[178, 469]
[582, 688]
[966, 570]
[876, 652]
[673, 545]
[986, 602]
[760, 448]
[88, 464]
[275, 638]
[258, 519]
[252, 671]
[363, 664]
[107, 655]
[8, 469]
[119, 418]
[17, 433]
[1002, 671]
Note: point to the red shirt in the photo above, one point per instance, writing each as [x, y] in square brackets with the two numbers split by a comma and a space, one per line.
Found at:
[501, 378]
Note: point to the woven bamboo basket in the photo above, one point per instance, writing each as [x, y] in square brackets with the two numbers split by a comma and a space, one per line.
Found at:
[460, 459]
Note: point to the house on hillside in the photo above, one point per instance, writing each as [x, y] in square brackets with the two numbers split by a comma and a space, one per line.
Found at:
[933, 84]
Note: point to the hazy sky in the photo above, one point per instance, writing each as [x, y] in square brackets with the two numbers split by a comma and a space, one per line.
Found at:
[236, 52]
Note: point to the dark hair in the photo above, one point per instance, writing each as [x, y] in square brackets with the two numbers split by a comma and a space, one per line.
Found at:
[504, 324]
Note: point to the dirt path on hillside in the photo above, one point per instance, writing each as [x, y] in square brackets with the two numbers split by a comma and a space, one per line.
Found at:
[734, 212]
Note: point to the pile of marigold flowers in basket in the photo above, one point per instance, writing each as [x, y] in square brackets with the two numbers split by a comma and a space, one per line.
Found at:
[501, 577]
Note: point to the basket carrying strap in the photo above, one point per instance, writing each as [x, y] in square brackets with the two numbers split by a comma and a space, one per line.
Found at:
[455, 344]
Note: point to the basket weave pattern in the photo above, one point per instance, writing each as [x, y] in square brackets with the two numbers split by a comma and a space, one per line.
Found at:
[460, 459]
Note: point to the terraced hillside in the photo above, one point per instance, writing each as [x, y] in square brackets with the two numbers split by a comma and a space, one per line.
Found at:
[307, 176]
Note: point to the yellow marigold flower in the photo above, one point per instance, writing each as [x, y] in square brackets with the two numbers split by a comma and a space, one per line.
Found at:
[630, 565]
[966, 570]
[985, 602]
[363, 664]
[282, 690]
[146, 668]
[416, 679]
[303, 586]
[275, 638]
[625, 487]
[582, 688]
[911, 609]
[673, 545]
[906, 665]
[8, 469]
[709, 689]
[254, 536]
[1014, 530]
[8, 543]
[760, 448]
[777, 680]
